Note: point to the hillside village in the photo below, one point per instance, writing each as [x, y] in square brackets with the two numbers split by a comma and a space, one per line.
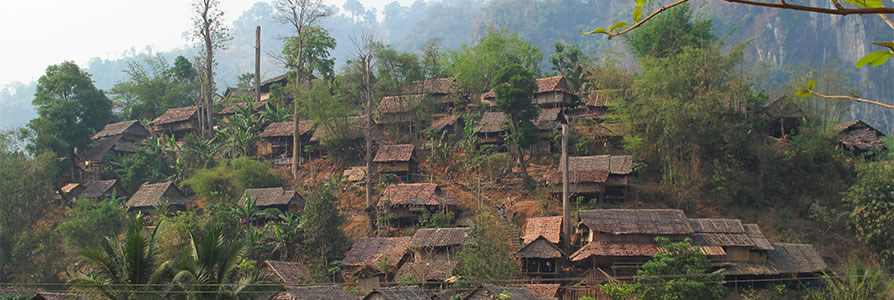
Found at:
[607, 244]
[588, 186]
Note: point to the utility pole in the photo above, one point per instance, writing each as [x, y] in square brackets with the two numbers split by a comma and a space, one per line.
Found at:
[258, 64]
[566, 208]
[369, 208]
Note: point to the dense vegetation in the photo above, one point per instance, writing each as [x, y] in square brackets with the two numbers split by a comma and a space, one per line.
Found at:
[693, 118]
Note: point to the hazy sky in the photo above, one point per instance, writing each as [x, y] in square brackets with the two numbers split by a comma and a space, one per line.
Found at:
[39, 33]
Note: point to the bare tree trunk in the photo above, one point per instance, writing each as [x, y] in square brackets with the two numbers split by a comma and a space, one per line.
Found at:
[258, 64]
[566, 207]
[369, 207]
[295, 136]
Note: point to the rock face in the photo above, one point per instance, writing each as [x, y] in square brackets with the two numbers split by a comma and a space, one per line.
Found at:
[790, 42]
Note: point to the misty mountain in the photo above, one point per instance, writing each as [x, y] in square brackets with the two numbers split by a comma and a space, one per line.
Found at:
[781, 44]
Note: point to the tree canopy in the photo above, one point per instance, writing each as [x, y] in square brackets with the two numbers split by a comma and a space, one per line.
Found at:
[70, 110]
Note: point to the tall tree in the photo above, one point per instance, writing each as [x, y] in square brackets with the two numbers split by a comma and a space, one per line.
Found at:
[70, 109]
[567, 61]
[300, 14]
[322, 222]
[514, 87]
[152, 86]
[210, 30]
[670, 33]
[474, 66]
[317, 62]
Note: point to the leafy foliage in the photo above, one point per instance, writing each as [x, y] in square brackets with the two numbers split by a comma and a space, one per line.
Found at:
[476, 66]
[872, 197]
[668, 34]
[858, 282]
[514, 87]
[486, 255]
[231, 178]
[70, 109]
[690, 269]
[153, 86]
[323, 237]
[121, 269]
[90, 220]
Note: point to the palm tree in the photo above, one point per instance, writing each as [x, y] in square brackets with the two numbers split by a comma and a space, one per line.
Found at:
[859, 282]
[121, 270]
[209, 270]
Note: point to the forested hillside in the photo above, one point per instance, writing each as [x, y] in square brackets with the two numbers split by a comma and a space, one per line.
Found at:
[490, 150]
[787, 47]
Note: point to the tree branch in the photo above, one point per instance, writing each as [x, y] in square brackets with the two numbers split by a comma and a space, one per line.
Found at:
[890, 24]
[831, 11]
[853, 99]
[653, 14]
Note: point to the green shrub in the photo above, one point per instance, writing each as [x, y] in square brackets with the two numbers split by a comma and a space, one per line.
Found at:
[89, 221]
[228, 180]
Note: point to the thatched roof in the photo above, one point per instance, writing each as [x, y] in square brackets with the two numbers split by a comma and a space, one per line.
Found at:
[150, 195]
[592, 169]
[442, 122]
[322, 292]
[491, 122]
[434, 86]
[552, 84]
[290, 273]
[543, 290]
[372, 251]
[100, 148]
[416, 194]
[548, 227]
[427, 270]
[264, 197]
[721, 239]
[540, 248]
[717, 225]
[636, 221]
[439, 237]
[599, 248]
[398, 104]
[355, 174]
[390, 153]
[98, 189]
[783, 107]
[355, 128]
[614, 164]
[719, 232]
[279, 129]
[490, 291]
[544, 85]
[746, 268]
[795, 258]
[175, 115]
[754, 233]
[237, 106]
[549, 118]
[858, 136]
[412, 292]
[133, 127]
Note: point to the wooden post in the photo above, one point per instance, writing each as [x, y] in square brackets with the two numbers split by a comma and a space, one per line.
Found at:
[369, 208]
[258, 64]
[566, 208]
